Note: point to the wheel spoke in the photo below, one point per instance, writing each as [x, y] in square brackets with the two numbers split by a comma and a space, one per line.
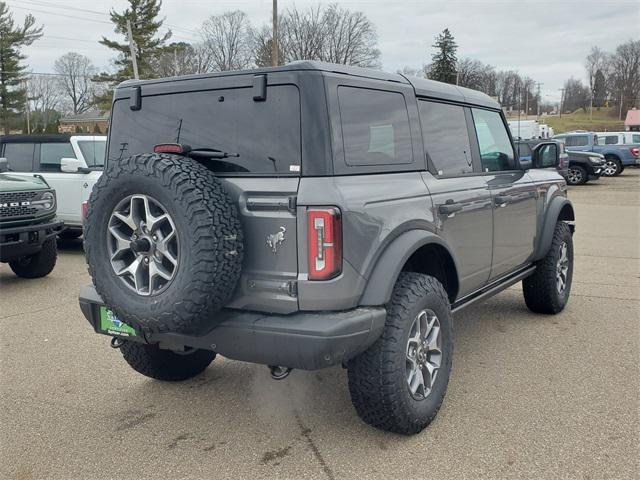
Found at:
[417, 381]
[122, 243]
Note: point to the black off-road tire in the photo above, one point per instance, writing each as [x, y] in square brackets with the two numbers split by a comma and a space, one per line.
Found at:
[377, 377]
[540, 289]
[579, 176]
[209, 236]
[154, 362]
[70, 234]
[39, 264]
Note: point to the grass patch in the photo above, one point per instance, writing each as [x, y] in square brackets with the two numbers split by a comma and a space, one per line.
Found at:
[605, 119]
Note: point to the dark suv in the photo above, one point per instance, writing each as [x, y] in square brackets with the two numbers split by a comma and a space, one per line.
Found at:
[312, 215]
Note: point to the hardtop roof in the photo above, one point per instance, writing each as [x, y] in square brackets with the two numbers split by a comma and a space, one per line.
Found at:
[422, 87]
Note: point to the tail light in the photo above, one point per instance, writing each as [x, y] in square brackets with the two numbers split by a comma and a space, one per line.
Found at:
[325, 243]
[635, 151]
[85, 210]
[171, 148]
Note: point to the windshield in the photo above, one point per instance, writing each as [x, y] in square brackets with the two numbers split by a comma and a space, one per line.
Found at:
[93, 152]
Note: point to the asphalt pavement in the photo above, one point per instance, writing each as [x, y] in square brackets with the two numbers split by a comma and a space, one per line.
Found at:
[530, 396]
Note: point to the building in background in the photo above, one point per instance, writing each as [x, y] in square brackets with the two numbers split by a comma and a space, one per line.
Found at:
[93, 121]
[632, 122]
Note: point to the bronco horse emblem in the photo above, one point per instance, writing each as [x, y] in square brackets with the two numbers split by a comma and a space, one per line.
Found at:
[275, 239]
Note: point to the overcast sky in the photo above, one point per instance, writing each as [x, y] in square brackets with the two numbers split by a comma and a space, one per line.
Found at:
[546, 40]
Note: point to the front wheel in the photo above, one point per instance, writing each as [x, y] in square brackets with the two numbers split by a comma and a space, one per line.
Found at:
[612, 167]
[154, 362]
[547, 290]
[576, 175]
[399, 383]
[39, 264]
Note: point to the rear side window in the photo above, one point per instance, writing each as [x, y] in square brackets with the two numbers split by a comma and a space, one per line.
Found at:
[577, 141]
[609, 140]
[51, 153]
[496, 152]
[265, 135]
[375, 127]
[19, 156]
[444, 130]
[524, 150]
[635, 138]
[93, 152]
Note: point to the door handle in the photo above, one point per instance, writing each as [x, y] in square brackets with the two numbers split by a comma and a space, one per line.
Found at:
[449, 207]
[503, 200]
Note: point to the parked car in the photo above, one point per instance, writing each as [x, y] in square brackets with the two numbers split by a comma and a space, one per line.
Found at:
[28, 224]
[617, 157]
[525, 148]
[70, 164]
[316, 214]
[619, 138]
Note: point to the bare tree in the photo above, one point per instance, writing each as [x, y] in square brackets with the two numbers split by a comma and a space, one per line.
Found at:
[75, 72]
[227, 38]
[625, 65]
[303, 34]
[596, 60]
[45, 95]
[349, 38]
[470, 73]
[182, 59]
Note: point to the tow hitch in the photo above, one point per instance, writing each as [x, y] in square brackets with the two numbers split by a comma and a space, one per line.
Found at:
[278, 372]
[116, 342]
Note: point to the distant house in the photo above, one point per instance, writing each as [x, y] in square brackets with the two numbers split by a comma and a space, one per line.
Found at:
[88, 122]
[632, 122]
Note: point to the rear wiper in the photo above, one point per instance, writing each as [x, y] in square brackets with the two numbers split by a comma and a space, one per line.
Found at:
[210, 153]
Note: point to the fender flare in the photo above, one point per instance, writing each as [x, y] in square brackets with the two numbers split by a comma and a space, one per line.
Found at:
[557, 205]
[387, 268]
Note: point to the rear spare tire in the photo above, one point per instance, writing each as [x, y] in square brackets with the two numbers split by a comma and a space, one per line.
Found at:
[163, 242]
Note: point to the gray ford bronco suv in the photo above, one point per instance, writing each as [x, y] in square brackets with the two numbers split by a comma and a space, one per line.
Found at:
[314, 214]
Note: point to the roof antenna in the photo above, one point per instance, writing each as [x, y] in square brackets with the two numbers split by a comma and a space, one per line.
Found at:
[179, 130]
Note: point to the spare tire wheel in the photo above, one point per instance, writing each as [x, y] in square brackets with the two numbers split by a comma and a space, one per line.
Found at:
[163, 242]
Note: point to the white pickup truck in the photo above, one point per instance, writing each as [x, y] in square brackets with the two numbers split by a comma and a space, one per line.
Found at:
[71, 164]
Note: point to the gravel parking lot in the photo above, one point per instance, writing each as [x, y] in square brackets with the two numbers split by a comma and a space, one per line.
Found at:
[530, 396]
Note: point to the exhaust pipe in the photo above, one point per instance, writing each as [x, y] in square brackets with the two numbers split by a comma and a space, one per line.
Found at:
[279, 372]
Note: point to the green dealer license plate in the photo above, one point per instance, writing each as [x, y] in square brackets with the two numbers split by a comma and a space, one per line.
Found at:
[110, 324]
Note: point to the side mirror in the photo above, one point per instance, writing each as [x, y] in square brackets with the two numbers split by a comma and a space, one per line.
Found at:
[71, 165]
[4, 165]
[546, 155]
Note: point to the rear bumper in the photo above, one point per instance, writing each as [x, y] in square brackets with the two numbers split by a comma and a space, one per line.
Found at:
[16, 242]
[303, 340]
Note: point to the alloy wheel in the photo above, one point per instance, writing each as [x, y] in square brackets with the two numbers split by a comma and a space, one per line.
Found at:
[142, 244]
[424, 354]
[574, 176]
[562, 268]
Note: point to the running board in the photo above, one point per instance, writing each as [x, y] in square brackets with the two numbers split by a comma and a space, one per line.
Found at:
[493, 288]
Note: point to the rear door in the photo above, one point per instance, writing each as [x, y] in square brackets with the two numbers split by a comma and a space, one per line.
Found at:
[513, 194]
[265, 134]
[460, 193]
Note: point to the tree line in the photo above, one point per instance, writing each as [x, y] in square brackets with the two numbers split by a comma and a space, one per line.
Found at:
[229, 41]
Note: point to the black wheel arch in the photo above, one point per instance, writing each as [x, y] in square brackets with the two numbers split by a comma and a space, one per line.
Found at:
[409, 252]
[559, 210]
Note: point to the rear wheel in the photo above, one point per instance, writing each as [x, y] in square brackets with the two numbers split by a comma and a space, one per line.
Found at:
[577, 175]
[39, 264]
[399, 383]
[548, 289]
[154, 362]
[612, 167]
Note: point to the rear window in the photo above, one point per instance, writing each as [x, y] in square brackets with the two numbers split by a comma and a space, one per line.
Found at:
[577, 141]
[93, 152]
[375, 127]
[265, 135]
[19, 156]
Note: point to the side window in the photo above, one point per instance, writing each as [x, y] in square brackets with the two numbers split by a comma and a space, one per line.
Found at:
[577, 141]
[524, 150]
[548, 155]
[635, 138]
[496, 152]
[93, 152]
[52, 153]
[19, 156]
[611, 140]
[375, 127]
[444, 130]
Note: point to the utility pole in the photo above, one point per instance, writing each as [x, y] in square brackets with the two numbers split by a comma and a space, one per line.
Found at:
[538, 98]
[561, 100]
[621, 98]
[274, 35]
[27, 106]
[132, 49]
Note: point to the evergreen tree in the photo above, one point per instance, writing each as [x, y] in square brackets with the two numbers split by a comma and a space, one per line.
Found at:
[444, 61]
[12, 77]
[599, 89]
[145, 26]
